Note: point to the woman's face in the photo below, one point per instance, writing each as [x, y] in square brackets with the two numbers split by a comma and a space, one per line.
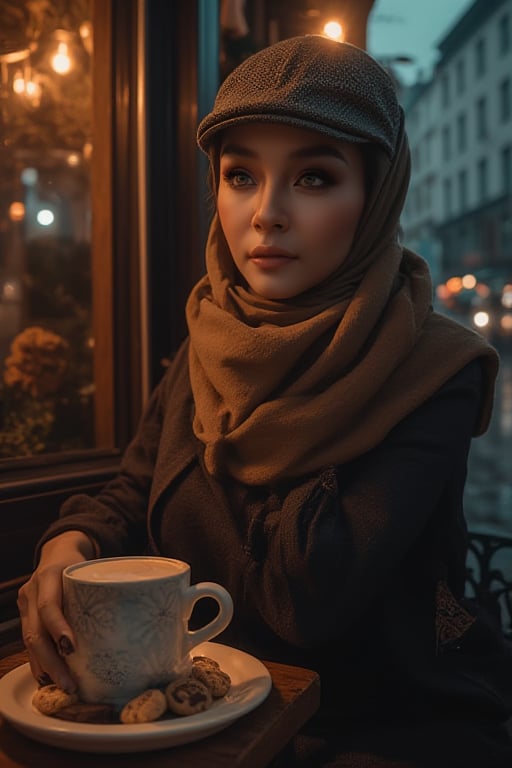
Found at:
[289, 201]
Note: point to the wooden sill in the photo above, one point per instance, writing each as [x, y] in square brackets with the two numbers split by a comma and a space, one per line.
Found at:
[32, 477]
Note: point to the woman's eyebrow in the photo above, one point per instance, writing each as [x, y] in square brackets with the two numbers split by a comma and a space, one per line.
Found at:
[319, 150]
[309, 150]
[237, 149]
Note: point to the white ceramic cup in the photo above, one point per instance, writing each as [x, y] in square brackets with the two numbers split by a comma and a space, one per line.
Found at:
[129, 616]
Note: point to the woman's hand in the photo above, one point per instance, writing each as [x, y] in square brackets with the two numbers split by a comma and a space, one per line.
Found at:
[46, 633]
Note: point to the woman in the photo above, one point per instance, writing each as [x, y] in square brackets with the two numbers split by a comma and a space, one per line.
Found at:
[307, 447]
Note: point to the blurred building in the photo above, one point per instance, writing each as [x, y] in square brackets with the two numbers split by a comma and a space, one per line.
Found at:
[459, 209]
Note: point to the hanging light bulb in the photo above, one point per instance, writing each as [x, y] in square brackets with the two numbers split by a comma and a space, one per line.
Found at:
[33, 92]
[61, 61]
[85, 32]
[18, 82]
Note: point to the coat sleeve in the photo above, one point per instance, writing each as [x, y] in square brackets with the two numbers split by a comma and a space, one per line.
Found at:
[323, 559]
[116, 519]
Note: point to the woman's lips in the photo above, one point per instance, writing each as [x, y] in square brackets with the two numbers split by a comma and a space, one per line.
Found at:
[267, 257]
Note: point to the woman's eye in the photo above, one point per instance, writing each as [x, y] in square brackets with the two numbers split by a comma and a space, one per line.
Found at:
[237, 178]
[313, 179]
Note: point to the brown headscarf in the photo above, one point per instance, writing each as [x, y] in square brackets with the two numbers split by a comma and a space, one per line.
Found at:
[284, 388]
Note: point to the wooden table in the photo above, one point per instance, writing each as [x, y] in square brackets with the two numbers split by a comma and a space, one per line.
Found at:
[251, 742]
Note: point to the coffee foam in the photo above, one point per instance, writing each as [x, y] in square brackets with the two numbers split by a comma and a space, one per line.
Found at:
[125, 569]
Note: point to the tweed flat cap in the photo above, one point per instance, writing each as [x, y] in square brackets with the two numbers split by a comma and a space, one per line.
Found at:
[309, 82]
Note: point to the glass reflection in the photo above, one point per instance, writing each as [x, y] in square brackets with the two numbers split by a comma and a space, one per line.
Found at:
[46, 379]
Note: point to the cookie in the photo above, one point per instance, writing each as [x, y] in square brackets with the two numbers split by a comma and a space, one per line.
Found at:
[187, 696]
[215, 679]
[205, 661]
[50, 699]
[148, 706]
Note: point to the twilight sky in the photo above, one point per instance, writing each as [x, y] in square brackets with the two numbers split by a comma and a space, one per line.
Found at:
[412, 28]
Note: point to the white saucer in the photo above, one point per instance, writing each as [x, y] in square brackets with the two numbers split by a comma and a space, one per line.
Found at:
[251, 684]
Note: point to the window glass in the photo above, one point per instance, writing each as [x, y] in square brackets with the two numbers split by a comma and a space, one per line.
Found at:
[506, 166]
[462, 180]
[505, 100]
[446, 142]
[482, 178]
[47, 387]
[460, 74]
[481, 118]
[461, 132]
[480, 57]
[445, 90]
[447, 195]
[504, 33]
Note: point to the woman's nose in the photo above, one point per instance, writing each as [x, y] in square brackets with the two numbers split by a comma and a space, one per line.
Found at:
[270, 212]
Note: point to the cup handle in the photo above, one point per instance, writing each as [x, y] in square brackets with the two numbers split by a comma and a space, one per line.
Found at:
[221, 620]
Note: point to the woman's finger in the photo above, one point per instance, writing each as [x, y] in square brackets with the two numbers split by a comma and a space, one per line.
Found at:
[27, 632]
[49, 606]
[39, 638]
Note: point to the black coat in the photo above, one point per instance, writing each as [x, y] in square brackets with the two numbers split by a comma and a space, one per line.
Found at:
[357, 572]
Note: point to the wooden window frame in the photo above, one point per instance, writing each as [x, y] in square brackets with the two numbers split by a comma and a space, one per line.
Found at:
[126, 317]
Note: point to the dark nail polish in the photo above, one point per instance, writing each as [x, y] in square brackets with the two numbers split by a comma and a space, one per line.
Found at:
[65, 645]
[44, 680]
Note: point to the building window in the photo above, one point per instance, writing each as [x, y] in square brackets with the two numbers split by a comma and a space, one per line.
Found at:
[481, 172]
[481, 118]
[462, 180]
[504, 34]
[447, 197]
[460, 76]
[505, 101]
[446, 142]
[461, 132]
[445, 90]
[480, 63]
[506, 233]
[506, 166]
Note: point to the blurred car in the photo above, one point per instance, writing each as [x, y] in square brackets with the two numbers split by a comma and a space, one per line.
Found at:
[481, 299]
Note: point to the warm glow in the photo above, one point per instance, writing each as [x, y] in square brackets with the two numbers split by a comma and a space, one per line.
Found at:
[10, 291]
[87, 150]
[61, 62]
[334, 30]
[506, 323]
[18, 83]
[16, 211]
[506, 298]
[483, 290]
[85, 30]
[73, 159]
[442, 291]
[32, 89]
[468, 282]
[454, 284]
[481, 319]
